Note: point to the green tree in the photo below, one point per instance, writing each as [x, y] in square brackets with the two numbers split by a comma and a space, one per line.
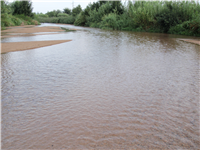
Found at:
[76, 10]
[27, 8]
[22, 7]
[67, 11]
[53, 13]
[5, 7]
[117, 5]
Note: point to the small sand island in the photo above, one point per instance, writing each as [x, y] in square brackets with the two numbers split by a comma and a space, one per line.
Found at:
[29, 30]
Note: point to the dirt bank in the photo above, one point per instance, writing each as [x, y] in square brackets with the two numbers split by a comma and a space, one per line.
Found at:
[20, 46]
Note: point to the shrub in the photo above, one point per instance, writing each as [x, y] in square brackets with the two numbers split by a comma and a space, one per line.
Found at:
[142, 13]
[62, 15]
[67, 20]
[23, 17]
[109, 22]
[96, 16]
[67, 11]
[53, 13]
[174, 13]
[187, 28]
[42, 15]
[76, 10]
[49, 20]
[16, 21]
[80, 20]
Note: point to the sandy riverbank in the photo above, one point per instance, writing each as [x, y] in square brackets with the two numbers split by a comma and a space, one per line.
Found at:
[29, 30]
[20, 46]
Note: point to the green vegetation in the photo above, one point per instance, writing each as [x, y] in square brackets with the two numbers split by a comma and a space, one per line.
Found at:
[11, 15]
[22, 7]
[53, 13]
[56, 16]
[67, 11]
[174, 17]
[76, 10]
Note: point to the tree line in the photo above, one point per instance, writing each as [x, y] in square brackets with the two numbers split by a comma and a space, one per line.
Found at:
[175, 17]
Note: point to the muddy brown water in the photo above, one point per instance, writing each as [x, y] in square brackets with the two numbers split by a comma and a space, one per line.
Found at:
[104, 89]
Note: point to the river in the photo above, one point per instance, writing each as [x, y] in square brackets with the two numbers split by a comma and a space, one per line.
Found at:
[103, 90]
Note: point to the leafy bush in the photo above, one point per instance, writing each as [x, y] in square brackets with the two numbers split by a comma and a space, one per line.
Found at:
[67, 11]
[16, 21]
[109, 22]
[174, 13]
[53, 13]
[10, 20]
[62, 15]
[142, 13]
[80, 20]
[67, 20]
[22, 16]
[48, 20]
[96, 16]
[187, 28]
[76, 10]
[42, 15]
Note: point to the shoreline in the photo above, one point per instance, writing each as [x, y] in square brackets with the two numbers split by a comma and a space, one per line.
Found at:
[33, 30]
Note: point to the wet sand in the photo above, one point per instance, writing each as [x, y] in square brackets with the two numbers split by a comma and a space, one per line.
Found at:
[9, 35]
[20, 46]
[29, 30]
[32, 29]
[191, 41]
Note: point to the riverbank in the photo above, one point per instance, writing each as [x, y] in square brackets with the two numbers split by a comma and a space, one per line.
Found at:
[29, 30]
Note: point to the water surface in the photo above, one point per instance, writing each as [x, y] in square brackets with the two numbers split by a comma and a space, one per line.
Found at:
[104, 89]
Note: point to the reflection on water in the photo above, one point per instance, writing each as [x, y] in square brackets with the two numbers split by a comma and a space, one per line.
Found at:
[105, 89]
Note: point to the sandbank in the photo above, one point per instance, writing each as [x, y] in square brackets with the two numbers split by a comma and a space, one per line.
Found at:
[194, 41]
[29, 30]
[32, 29]
[20, 46]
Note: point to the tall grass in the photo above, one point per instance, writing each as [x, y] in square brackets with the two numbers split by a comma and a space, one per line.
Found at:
[17, 20]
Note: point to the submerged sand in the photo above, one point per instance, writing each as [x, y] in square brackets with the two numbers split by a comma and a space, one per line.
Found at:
[20, 46]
